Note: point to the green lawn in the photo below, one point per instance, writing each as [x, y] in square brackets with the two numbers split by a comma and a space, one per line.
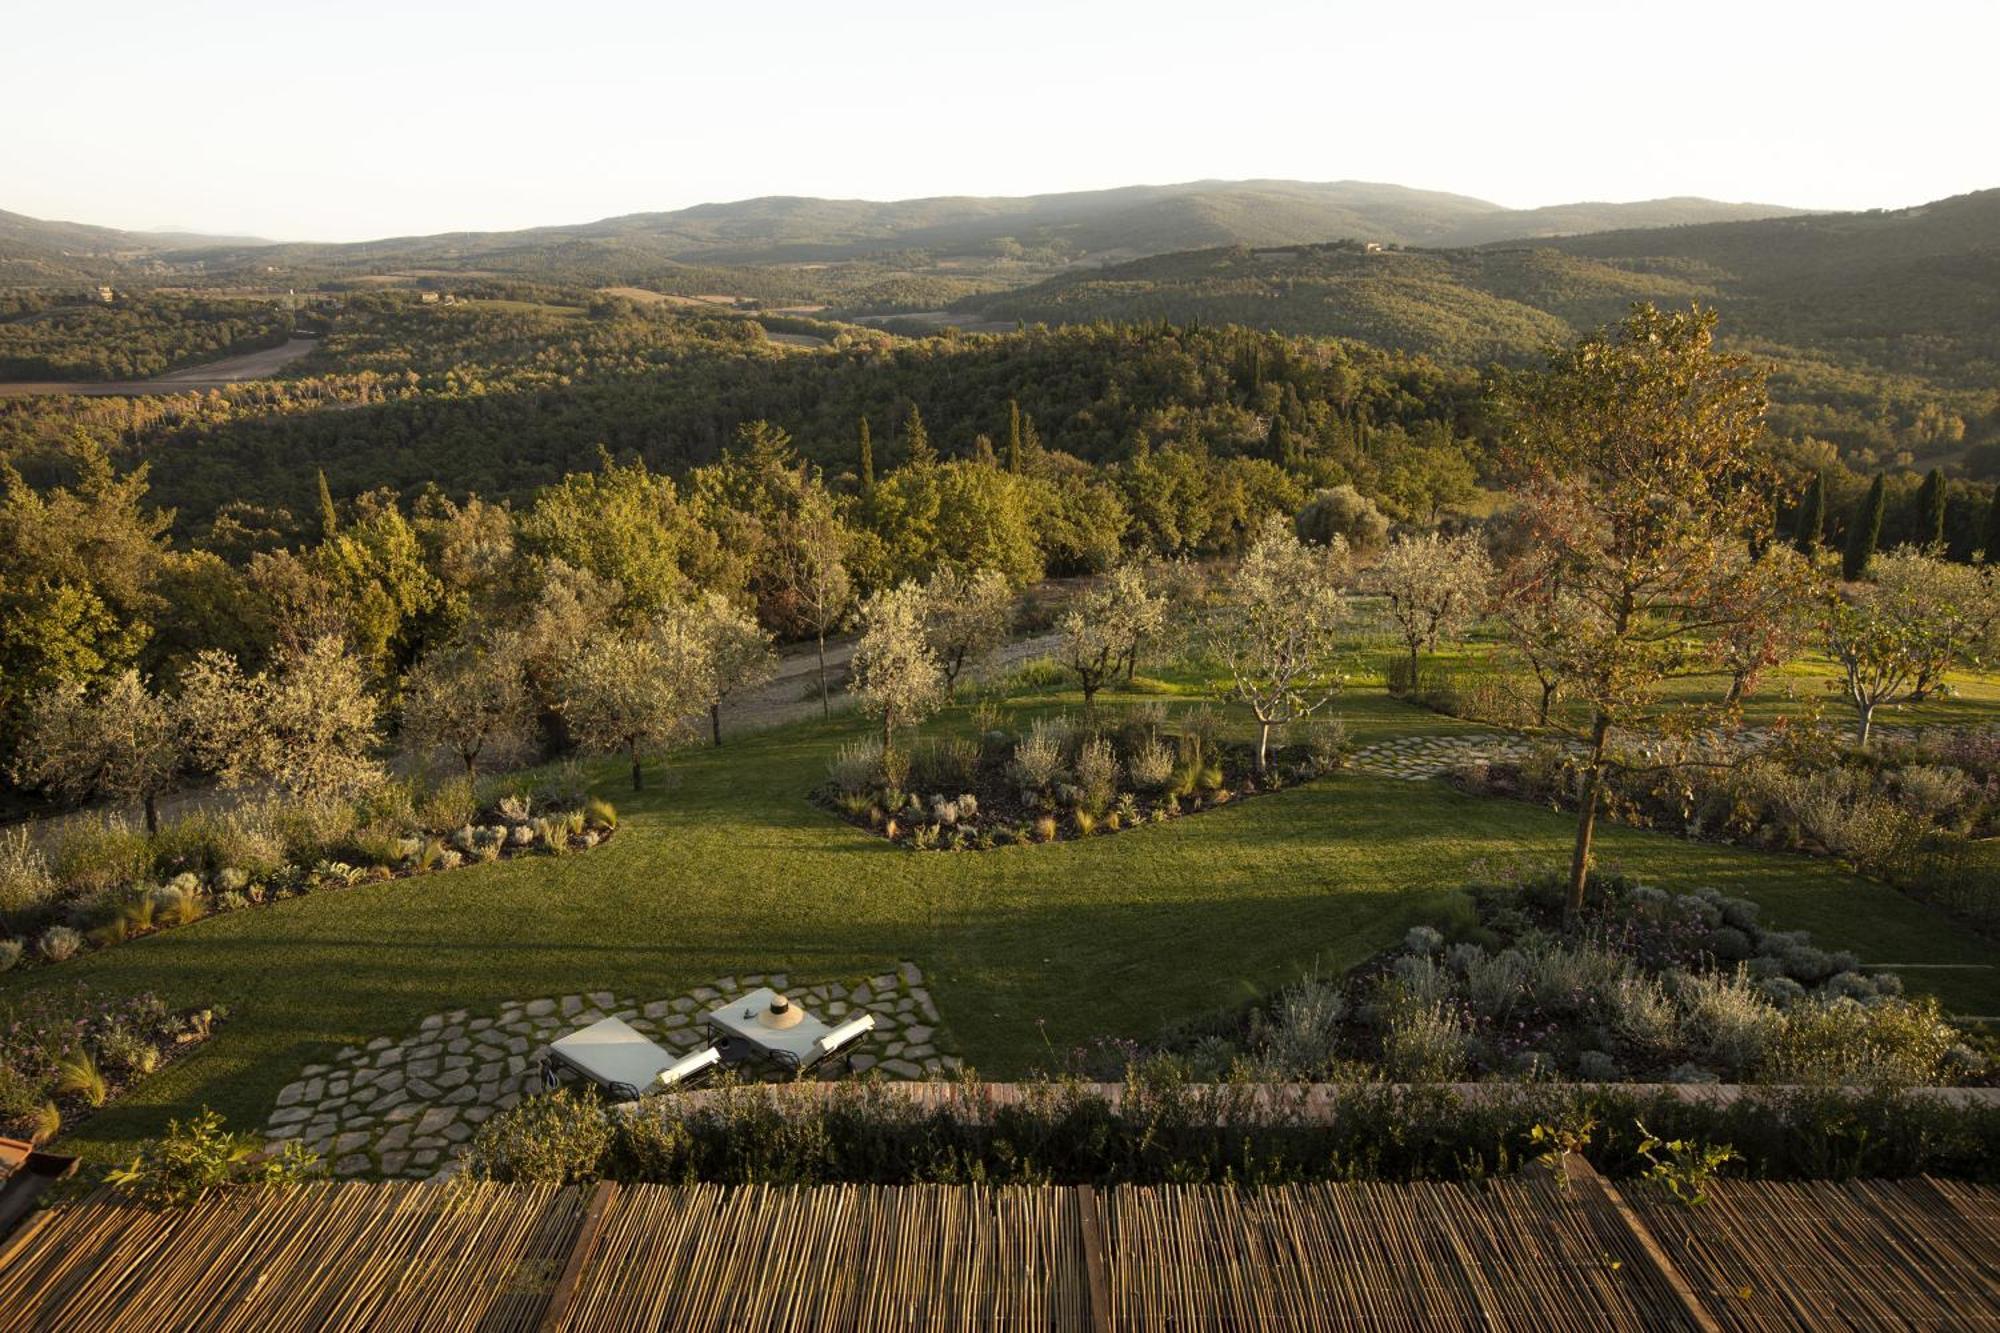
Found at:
[727, 868]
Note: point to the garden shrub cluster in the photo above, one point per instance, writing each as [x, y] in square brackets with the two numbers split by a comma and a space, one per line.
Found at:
[1642, 986]
[1163, 1129]
[103, 882]
[1916, 812]
[1059, 777]
[64, 1054]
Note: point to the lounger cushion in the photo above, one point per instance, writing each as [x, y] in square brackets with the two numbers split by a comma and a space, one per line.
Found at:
[690, 1065]
[610, 1052]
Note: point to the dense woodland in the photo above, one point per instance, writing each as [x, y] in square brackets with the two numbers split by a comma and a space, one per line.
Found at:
[499, 400]
[66, 336]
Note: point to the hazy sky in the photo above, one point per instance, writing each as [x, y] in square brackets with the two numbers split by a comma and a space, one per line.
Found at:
[360, 118]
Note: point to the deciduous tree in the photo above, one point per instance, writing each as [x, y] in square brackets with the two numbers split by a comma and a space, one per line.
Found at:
[813, 557]
[1643, 487]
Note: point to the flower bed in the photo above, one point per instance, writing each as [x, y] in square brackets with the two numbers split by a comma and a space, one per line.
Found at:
[1060, 779]
[255, 855]
[65, 1055]
[1643, 986]
[1912, 811]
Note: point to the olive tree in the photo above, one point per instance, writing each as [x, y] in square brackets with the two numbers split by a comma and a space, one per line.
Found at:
[1436, 586]
[1106, 625]
[1281, 632]
[1896, 635]
[1643, 485]
[739, 653]
[307, 726]
[118, 740]
[469, 697]
[1958, 607]
[633, 692]
[897, 676]
[966, 616]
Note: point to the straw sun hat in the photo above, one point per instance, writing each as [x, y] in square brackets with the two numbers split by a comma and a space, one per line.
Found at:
[781, 1013]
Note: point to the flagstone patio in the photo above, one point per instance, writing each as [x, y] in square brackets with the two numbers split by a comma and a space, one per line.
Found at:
[402, 1106]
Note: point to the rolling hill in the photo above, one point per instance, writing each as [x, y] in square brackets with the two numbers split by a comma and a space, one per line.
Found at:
[1913, 291]
[1040, 232]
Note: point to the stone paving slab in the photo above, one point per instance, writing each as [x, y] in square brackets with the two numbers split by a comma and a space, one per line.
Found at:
[405, 1106]
[1415, 758]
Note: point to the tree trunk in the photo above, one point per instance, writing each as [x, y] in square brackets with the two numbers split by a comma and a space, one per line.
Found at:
[152, 813]
[471, 762]
[1586, 815]
[715, 723]
[638, 779]
[1735, 695]
[1263, 742]
[825, 708]
[1548, 701]
[1131, 663]
[1413, 670]
[1864, 719]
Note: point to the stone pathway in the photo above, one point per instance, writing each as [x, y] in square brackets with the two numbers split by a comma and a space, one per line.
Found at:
[403, 1107]
[1414, 758]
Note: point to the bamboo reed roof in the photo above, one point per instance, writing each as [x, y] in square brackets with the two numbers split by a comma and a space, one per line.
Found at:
[1543, 1251]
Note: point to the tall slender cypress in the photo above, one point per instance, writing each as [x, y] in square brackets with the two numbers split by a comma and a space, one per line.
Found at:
[1930, 509]
[1013, 436]
[1812, 517]
[917, 440]
[329, 518]
[867, 460]
[1866, 532]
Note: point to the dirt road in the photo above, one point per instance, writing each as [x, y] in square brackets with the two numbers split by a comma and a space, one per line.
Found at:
[793, 694]
[258, 365]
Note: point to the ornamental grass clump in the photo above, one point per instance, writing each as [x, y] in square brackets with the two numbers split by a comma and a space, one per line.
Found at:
[1038, 757]
[59, 944]
[1096, 776]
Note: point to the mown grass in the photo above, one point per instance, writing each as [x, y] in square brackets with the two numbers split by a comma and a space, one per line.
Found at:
[725, 867]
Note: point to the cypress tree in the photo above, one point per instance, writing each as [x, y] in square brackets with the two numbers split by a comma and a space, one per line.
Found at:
[1930, 509]
[1812, 517]
[329, 519]
[1013, 436]
[918, 439]
[1866, 532]
[867, 460]
[1993, 530]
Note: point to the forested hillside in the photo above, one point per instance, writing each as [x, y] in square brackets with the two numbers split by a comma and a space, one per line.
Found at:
[499, 400]
[1883, 328]
[46, 338]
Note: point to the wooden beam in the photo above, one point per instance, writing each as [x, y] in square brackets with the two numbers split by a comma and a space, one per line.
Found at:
[1583, 1177]
[580, 1250]
[1097, 1293]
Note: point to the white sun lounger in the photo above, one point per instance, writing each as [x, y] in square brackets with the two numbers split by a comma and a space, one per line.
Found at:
[622, 1061]
[853, 1030]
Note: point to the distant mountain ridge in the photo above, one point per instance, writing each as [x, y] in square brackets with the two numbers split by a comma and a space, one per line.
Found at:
[1096, 226]
[1912, 292]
